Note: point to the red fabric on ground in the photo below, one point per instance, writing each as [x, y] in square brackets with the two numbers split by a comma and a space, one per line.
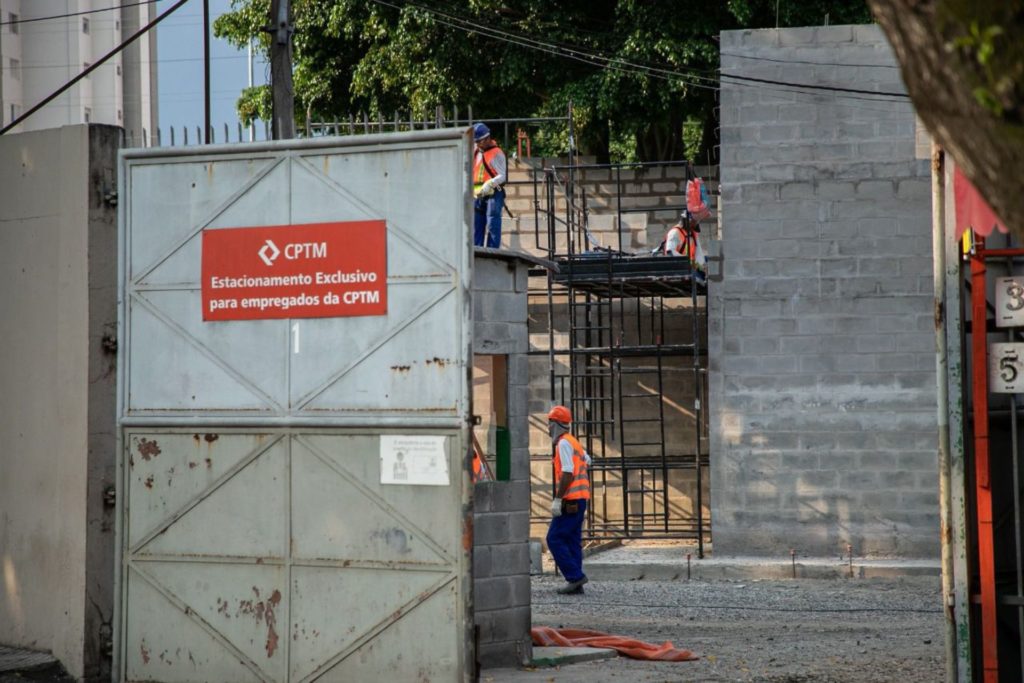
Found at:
[545, 636]
[972, 211]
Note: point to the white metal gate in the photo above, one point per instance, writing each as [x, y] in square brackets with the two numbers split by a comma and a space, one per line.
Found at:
[263, 533]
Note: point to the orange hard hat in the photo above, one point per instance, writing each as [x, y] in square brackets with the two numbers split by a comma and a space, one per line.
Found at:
[560, 414]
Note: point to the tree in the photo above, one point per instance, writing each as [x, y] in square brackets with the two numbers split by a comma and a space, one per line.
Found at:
[963, 63]
[642, 76]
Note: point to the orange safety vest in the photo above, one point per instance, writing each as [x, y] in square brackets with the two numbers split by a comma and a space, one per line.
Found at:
[482, 166]
[687, 243]
[579, 489]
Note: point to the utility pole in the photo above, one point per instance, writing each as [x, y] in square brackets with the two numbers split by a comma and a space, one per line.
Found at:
[252, 124]
[283, 127]
[207, 127]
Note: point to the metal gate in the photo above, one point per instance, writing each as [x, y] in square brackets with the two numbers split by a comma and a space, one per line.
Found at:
[265, 530]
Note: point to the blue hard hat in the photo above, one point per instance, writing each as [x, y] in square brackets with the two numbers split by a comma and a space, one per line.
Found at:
[480, 131]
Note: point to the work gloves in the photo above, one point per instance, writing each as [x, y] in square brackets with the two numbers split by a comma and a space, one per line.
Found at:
[487, 189]
[556, 507]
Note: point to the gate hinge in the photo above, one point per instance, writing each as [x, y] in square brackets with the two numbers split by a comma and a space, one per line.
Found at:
[110, 496]
[110, 197]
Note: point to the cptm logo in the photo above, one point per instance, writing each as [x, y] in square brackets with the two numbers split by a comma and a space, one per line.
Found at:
[293, 252]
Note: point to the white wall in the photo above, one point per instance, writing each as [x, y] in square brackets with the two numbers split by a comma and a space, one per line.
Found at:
[43, 405]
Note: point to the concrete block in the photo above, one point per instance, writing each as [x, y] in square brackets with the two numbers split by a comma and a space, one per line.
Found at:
[490, 274]
[775, 132]
[511, 558]
[536, 565]
[510, 624]
[915, 342]
[875, 343]
[492, 528]
[916, 461]
[500, 592]
[481, 561]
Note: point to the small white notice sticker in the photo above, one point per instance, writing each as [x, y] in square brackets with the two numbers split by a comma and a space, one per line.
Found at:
[413, 460]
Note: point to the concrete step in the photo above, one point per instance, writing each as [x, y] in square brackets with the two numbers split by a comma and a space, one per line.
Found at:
[668, 563]
[559, 656]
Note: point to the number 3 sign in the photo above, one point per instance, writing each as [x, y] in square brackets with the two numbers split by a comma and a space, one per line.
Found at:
[1006, 368]
[1009, 302]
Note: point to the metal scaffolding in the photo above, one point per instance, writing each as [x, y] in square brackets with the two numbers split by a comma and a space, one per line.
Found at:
[633, 323]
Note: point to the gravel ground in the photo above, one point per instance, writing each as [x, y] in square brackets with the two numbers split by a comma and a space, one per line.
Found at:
[796, 631]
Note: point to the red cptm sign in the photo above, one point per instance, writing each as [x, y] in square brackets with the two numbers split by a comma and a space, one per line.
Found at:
[317, 270]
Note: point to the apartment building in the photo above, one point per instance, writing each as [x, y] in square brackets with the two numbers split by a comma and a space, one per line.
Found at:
[45, 43]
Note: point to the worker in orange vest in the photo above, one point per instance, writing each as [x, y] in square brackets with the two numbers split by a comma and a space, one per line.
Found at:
[490, 171]
[681, 240]
[569, 505]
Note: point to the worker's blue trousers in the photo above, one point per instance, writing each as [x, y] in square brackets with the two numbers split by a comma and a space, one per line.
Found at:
[487, 220]
[565, 541]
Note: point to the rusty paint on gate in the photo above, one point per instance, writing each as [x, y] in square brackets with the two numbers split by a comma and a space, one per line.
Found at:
[148, 449]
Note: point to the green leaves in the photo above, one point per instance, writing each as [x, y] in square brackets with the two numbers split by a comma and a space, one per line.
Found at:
[636, 72]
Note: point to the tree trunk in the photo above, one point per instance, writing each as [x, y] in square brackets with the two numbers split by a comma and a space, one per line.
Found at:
[942, 79]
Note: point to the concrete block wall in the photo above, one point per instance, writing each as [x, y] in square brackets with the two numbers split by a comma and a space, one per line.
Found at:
[501, 509]
[654, 188]
[822, 375]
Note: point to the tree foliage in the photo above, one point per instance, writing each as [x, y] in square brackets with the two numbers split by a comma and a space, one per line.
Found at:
[639, 74]
[963, 63]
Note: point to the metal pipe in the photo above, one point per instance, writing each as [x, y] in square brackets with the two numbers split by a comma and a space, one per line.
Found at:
[1016, 519]
[942, 403]
[983, 485]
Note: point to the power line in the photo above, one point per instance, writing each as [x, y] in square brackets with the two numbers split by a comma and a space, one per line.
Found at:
[811, 86]
[811, 62]
[581, 55]
[77, 14]
[158, 61]
[125, 43]
[574, 53]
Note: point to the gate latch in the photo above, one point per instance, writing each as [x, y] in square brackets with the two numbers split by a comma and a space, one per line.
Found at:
[110, 496]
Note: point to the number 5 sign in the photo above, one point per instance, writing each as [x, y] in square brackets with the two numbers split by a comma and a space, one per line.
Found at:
[1006, 368]
[1009, 302]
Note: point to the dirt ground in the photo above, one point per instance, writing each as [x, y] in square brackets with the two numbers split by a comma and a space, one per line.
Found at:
[794, 631]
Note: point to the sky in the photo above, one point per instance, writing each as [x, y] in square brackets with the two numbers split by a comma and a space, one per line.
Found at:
[180, 72]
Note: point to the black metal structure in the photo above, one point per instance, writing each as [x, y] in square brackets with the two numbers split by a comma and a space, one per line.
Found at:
[633, 321]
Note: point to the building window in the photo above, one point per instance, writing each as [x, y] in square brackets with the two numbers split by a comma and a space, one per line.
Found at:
[85, 24]
[118, 69]
[118, 114]
[12, 21]
[14, 112]
[117, 25]
[15, 69]
[87, 114]
[85, 66]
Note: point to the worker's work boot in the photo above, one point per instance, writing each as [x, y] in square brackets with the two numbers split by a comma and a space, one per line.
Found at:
[573, 587]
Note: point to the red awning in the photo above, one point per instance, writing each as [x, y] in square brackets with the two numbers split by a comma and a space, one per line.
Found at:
[972, 211]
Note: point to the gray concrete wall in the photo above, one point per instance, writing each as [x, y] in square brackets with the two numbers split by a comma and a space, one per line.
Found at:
[501, 519]
[823, 425]
[56, 425]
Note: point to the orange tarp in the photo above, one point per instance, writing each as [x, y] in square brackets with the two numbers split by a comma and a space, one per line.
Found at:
[545, 636]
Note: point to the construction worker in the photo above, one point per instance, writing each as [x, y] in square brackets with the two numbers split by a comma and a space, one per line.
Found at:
[682, 241]
[572, 493]
[490, 171]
